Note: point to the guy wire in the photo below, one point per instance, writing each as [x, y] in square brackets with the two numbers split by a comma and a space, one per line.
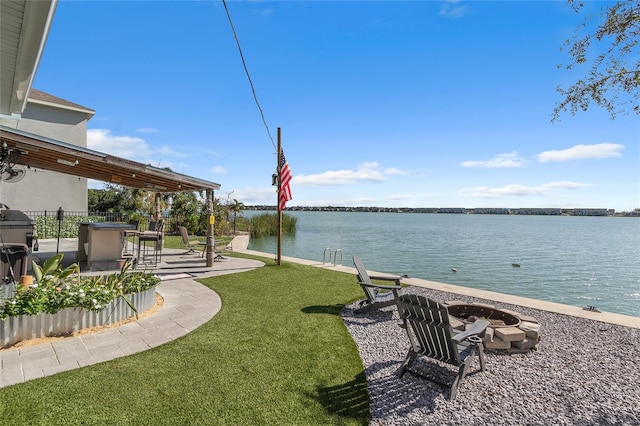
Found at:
[246, 70]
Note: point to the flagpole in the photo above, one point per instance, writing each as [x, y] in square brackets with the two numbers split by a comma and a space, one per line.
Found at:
[279, 170]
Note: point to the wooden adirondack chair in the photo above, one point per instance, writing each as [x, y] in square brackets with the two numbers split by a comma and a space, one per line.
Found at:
[374, 298]
[431, 335]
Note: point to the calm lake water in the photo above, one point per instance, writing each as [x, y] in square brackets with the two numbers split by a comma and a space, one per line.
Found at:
[572, 260]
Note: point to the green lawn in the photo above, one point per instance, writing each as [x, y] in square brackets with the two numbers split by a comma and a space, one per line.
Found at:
[276, 353]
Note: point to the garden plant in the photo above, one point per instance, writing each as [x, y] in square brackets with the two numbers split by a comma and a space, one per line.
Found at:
[56, 288]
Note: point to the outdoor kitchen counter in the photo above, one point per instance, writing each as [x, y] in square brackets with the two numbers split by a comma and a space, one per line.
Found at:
[104, 243]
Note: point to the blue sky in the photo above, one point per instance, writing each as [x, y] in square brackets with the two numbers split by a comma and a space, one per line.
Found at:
[417, 104]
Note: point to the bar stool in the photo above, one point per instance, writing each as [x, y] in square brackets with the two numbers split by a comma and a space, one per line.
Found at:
[155, 237]
[127, 234]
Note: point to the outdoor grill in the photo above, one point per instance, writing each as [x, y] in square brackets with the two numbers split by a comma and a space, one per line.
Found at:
[16, 231]
[16, 227]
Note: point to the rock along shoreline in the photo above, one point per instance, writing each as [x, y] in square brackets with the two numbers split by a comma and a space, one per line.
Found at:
[582, 372]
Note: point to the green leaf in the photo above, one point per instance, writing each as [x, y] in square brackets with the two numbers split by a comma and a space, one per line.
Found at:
[52, 264]
[37, 271]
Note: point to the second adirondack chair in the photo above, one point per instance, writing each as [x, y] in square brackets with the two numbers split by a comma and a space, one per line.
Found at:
[377, 295]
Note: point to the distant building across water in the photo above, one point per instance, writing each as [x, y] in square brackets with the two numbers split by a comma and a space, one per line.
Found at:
[460, 210]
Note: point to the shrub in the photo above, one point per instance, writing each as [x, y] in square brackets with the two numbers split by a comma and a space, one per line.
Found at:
[266, 224]
[56, 289]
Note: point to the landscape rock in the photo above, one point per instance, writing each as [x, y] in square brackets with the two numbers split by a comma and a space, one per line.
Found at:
[585, 373]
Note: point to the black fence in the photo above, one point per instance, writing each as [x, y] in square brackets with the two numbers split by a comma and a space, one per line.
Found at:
[48, 224]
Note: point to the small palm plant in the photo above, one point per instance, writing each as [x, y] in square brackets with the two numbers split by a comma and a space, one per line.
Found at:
[52, 269]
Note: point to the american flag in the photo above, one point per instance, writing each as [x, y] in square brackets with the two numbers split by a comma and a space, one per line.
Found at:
[285, 178]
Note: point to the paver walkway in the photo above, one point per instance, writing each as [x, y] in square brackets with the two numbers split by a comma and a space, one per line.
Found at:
[187, 305]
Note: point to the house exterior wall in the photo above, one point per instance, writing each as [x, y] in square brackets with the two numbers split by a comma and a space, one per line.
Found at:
[43, 189]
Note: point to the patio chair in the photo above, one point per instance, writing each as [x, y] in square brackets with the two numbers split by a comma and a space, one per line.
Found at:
[219, 248]
[155, 237]
[375, 298]
[187, 242]
[431, 335]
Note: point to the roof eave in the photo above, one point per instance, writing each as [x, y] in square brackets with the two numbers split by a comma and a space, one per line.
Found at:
[36, 23]
[89, 113]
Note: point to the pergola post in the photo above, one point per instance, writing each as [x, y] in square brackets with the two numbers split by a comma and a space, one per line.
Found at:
[158, 213]
[210, 229]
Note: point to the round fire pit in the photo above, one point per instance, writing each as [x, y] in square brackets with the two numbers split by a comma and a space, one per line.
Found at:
[471, 313]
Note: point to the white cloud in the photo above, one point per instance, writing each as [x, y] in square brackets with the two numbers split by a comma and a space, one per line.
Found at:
[360, 201]
[509, 190]
[147, 130]
[218, 170]
[371, 172]
[399, 196]
[500, 161]
[370, 165]
[165, 150]
[350, 202]
[121, 146]
[266, 12]
[394, 171]
[566, 185]
[132, 148]
[582, 152]
[453, 9]
[518, 190]
[253, 195]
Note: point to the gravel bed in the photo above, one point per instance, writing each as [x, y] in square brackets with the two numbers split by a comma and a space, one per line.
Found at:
[583, 372]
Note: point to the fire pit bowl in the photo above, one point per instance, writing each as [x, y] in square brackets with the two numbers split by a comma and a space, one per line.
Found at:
[470, 313]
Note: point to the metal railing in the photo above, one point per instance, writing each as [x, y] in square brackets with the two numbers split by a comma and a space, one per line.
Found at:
[47, 223]
[335, 256]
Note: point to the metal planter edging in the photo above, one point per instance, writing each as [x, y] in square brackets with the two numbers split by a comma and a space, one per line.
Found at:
[69, 320]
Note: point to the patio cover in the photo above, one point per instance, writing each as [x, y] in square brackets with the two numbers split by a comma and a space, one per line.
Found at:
[43, 153]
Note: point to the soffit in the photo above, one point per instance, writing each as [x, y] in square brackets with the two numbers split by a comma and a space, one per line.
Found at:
[24, 27]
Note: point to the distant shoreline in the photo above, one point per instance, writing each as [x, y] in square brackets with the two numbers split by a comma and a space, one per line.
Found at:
[460, 210]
